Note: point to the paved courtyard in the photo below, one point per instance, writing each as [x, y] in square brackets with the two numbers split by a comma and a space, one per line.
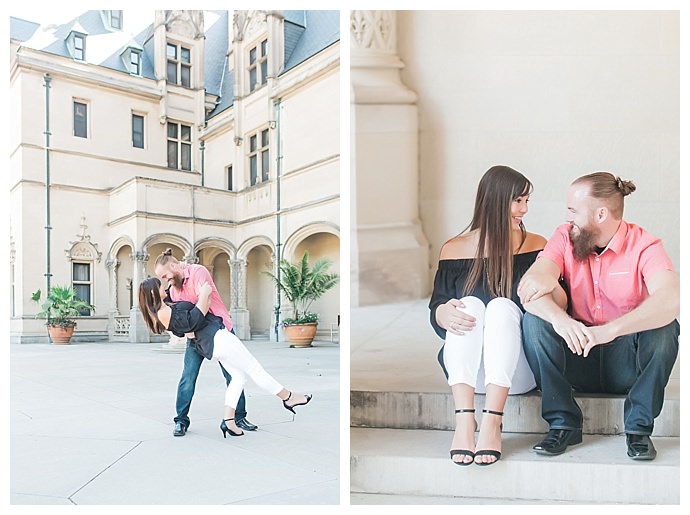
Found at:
[91, 424]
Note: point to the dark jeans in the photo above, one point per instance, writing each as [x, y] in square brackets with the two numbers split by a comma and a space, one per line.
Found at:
[636, 365]
[187, 384]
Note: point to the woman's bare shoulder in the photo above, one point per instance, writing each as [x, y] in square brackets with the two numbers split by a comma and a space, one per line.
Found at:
[533, 242]
[462, 246]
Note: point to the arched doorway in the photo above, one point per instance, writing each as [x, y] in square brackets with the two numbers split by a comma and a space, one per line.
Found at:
[323, 245]
[125, 278]
[261, 299]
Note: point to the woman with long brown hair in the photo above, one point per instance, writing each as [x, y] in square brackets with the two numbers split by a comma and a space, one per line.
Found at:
[475, 309]
[213, 341]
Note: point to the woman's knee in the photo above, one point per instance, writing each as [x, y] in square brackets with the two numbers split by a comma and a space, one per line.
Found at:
[473, 306]
[503, 309]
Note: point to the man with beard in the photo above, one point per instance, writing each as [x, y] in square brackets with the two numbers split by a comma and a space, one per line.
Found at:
[619, 334]
[183, 284]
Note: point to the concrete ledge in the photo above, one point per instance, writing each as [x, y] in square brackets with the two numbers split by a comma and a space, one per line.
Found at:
[409, 410]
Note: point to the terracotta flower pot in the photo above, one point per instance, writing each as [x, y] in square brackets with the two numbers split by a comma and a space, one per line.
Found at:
[60, 335]
[301, 335]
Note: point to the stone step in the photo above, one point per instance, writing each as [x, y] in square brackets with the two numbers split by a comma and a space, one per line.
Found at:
[603, 414]
[427, 500]
[395, 462]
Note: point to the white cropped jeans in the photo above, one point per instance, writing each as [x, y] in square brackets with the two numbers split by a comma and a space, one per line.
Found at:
[491, 353]
[240, 364]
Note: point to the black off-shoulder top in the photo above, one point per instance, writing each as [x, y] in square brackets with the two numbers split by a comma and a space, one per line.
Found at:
[187, 318]
[450, 281]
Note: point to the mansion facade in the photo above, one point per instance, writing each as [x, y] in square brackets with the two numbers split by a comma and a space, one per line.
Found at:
[214, 133]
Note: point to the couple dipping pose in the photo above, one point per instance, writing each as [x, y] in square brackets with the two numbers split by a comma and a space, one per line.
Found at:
[593, 310]
[210, 336]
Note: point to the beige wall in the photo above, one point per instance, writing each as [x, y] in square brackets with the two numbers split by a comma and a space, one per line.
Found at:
[555, 95]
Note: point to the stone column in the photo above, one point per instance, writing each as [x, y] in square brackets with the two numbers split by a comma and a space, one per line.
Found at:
[277, 334]
[389, 251]
[138, 332]
[238, 294]
[112, 265]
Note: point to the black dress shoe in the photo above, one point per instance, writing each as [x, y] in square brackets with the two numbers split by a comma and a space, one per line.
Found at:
[640, 447]
[180, 429]
[243, 423]
[557, 441]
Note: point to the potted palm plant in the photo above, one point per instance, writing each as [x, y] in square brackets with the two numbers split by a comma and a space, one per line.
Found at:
[302, 285]
[60, 309]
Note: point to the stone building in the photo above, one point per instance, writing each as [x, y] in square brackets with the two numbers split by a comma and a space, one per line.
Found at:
[214, 133]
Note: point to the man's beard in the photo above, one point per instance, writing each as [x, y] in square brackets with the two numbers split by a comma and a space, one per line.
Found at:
[584, 242]
[177, 281]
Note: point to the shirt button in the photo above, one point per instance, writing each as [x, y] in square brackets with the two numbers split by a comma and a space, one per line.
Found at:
[598, 307]
[596, 282]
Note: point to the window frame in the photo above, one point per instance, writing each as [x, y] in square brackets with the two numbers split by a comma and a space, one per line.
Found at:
[75, 125]
[229, 178]
[257, 68]
[135, 68]
[79, 51]
[143, 130]
[112, 16]
[182, 146]
[79, 282]
[182, 61]
[259, 166]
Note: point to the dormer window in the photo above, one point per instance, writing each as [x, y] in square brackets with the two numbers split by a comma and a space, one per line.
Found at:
[135, 62]
[132, 59]
[112, 20]
[77, 45]
[115, 19]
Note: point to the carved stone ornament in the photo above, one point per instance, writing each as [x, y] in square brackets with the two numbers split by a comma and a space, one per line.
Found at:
[189, 24]
[257, 23]
[247, 23]
[82, 251]
[83, 248]
[373, 30]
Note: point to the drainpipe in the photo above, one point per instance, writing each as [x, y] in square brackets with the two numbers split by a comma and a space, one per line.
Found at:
[279, 163]
[202, 148]
[48, 228]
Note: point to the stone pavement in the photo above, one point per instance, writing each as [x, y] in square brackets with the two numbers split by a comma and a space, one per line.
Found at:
[91, 424]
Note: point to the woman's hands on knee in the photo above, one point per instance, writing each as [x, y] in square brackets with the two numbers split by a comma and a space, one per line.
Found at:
[452, 318]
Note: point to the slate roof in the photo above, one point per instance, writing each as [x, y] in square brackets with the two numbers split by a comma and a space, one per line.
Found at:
[306, 34]
[104, 46]
[21, 30]
[315, 31]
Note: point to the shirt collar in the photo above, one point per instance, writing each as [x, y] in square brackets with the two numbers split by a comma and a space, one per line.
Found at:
[616, 243]
[185, 273]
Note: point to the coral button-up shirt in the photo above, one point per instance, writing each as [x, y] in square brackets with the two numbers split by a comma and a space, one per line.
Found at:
[195, 276]
[608, 285]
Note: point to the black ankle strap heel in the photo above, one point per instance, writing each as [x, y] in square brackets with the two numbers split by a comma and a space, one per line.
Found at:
[292, 408]
[463, 452]
[224, 427]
